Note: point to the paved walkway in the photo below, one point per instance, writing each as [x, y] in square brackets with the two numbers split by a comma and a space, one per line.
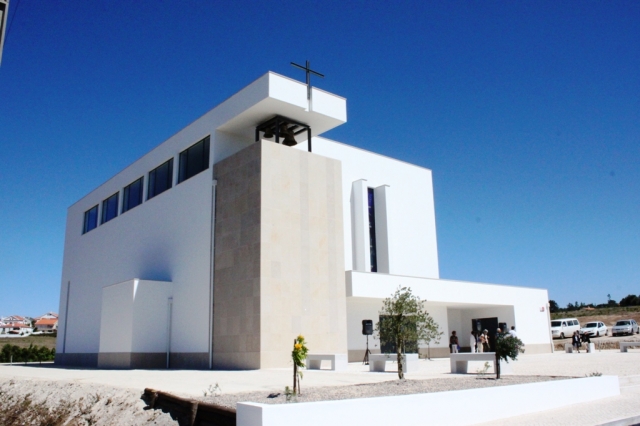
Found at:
[188, 382]
[601, 412]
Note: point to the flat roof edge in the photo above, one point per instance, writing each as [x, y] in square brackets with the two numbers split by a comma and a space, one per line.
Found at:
[455, 281]
[374, 153]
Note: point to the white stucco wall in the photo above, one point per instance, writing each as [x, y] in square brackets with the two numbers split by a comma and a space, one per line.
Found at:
[151, 316]
[135, 316]
[117, 317]
[413, 248]
[166, 238]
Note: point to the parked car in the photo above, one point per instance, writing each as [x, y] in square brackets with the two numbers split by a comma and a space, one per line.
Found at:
[564, 327]
[595, 329]
[627, 326]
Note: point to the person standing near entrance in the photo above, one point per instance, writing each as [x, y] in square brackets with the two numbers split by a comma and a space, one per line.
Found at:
[453, 343]
[481, 342]
[485, 343]
[473, 342]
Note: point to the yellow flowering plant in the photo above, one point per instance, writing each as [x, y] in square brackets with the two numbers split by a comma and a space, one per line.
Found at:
[298, 355]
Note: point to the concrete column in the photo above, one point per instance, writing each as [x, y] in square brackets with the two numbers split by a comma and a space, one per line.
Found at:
[381, 196]
[360, 226]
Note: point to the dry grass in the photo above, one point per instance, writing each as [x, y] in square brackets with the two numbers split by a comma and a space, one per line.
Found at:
[48, 341]
[17, 410]
[58, 403]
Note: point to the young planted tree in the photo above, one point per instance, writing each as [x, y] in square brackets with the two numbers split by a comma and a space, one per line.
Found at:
[507, 347]
[298, 355]
[405, 320]
[432, 333]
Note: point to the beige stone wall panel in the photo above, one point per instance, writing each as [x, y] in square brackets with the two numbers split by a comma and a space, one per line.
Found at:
[279, 259]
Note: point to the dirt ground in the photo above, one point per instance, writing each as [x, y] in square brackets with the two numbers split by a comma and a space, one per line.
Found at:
[609, 320]
[40, 402]
[47, 341]
[609, 316]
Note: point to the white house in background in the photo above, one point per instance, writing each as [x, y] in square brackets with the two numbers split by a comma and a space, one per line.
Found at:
[16, 319]
[46, 324]
[247, 228]
[15, 330]
[15, 326]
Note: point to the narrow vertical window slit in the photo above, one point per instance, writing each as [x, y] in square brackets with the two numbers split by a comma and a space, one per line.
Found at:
[372, 231]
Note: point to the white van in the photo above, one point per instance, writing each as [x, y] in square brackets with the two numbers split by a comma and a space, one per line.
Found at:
[564, 327]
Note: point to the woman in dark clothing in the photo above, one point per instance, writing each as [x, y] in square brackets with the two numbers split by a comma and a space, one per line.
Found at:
[453, 343]
[576, 341]
[586, 339]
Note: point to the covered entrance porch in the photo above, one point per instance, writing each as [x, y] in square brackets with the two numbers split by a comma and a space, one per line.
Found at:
[454, 305]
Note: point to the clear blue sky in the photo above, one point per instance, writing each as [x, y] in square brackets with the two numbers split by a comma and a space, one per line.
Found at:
[528, 113]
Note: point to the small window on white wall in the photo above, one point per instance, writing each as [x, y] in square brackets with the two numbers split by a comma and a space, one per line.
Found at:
[132, 195]
[194, 160]
[110, 208]
[90, 219]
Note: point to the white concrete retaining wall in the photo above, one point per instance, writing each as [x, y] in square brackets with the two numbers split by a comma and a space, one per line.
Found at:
[442, 408]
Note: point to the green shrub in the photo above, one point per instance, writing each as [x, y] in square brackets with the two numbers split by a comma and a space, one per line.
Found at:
[13, 353]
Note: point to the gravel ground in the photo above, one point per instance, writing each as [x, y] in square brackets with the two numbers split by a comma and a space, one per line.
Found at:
[368, 390]
[73, 389]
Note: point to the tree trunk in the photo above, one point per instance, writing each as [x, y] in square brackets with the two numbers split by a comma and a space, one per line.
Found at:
[295, 371]
[497, 366]
[400, 363]
[295, 377]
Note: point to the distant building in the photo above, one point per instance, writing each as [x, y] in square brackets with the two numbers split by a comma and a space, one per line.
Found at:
[47, 323]
[16, 319]
[15, 325]
[247, 228]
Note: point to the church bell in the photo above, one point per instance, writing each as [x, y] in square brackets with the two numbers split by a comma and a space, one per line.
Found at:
[289, 139]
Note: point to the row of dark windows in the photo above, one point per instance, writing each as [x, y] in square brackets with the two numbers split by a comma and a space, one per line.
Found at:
[193, 160]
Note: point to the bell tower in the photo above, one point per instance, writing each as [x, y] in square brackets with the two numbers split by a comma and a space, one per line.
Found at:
[284, 128]
[279, 255]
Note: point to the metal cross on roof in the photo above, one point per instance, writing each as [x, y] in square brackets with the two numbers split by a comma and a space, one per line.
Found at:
[309, 71]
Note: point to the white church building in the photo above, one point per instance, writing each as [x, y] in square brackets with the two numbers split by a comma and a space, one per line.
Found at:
[247, 228]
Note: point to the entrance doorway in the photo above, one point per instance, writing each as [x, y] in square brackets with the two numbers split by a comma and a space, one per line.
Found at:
[489, 324]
